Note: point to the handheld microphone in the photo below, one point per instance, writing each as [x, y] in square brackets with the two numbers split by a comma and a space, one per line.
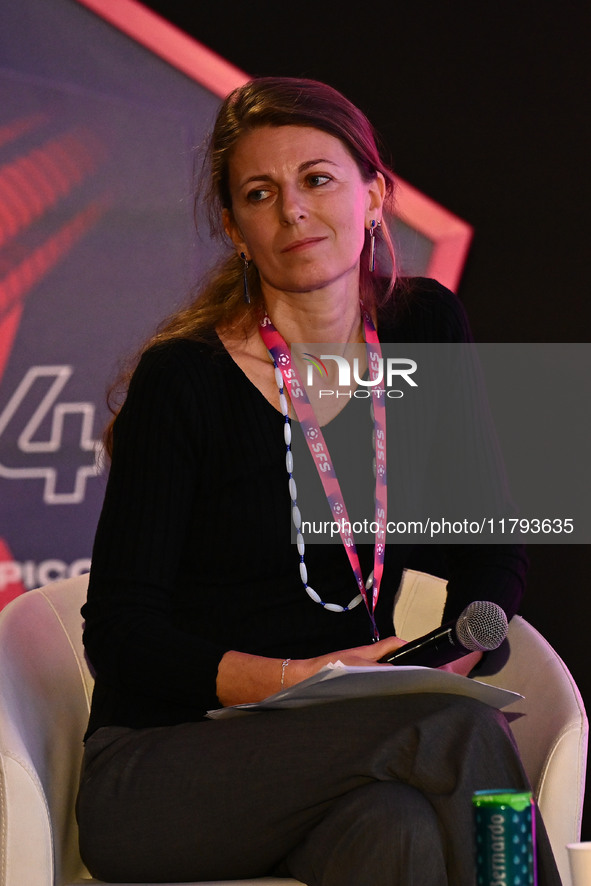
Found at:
[482, 626]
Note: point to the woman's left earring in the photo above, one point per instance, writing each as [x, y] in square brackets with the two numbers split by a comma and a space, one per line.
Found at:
[245, 277]
[372, 244]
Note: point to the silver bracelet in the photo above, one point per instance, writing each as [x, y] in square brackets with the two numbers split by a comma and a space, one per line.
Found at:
[284, 664]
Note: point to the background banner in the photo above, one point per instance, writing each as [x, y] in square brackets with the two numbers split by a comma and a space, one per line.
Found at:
[97, 245]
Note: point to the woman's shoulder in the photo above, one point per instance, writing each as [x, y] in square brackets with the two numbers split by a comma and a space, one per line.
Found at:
[179, 357]
[180, 349]
[172, 374]
[423, 310]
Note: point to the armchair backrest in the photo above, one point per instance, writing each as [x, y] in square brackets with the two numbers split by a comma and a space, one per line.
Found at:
[45, 690]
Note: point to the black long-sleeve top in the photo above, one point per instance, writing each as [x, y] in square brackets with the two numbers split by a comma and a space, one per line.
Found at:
[193, 554]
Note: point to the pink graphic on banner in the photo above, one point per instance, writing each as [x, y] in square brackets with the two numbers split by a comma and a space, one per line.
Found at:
[22, 277]
[12, 131]
[31, 186]
[11, 585]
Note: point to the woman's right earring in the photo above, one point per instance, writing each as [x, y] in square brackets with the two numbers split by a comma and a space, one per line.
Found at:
[245, 277]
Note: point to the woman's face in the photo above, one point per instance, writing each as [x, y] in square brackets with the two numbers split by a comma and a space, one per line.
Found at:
[299, 207]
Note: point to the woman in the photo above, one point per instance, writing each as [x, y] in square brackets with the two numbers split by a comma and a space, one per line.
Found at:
[197, 596]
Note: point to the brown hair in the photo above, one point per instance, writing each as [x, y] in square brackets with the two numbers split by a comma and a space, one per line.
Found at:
[267, 101]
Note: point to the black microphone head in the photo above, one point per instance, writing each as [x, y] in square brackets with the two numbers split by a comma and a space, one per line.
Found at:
[482, 626]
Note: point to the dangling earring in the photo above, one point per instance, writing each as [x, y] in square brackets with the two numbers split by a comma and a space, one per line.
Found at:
[372, 244]
[245, 277]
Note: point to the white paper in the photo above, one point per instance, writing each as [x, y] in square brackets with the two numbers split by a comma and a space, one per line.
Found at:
[338, 681]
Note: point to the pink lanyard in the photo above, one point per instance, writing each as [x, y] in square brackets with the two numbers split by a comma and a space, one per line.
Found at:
[304, 410]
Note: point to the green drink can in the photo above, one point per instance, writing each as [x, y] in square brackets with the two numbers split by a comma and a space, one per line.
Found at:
[504, 825]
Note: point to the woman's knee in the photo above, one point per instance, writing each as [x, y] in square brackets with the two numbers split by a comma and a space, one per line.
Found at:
[384, 833]
[387, 810]
[465, 718]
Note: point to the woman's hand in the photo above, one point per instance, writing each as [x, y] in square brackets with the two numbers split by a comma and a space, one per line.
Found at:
[358, 656]
[249, 678]
[463, 665]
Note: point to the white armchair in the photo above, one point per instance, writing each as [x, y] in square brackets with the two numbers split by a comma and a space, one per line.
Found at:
[45, 691]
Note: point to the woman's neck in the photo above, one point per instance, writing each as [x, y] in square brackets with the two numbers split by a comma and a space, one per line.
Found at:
[315, 316]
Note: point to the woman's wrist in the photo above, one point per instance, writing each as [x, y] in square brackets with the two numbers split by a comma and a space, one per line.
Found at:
[296, 670]
[244, 678]
[284, 665]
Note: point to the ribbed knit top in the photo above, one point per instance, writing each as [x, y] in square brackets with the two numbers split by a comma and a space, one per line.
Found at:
[193, 554]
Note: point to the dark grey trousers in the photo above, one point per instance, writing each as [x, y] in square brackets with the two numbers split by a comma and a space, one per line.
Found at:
[366, 792]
